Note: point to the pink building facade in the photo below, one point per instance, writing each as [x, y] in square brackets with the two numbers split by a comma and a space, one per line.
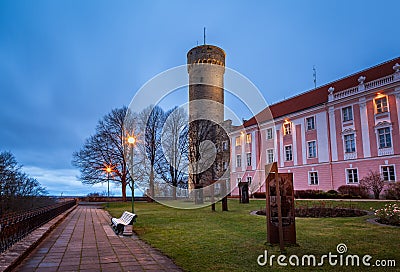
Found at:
[327, 137]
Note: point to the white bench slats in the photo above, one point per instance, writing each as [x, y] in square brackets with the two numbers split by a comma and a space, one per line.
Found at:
[120, 223]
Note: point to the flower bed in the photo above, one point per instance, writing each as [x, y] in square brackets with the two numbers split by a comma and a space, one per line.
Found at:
[328, 212]
[318, 212]
[389, 215]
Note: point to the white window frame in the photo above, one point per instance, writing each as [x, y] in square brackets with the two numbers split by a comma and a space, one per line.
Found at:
[347, 176]
[383, 108]
[394, 172]
[287, 128]
[248, 179]
[291, 153]
[315, 149]
[270, 152]
[348, 119]
[390, 135]
[248, 158]
[354, 141]
[239, 160]
[248, 138]
[224, 165]
[313, 123]
[270, 133]
[225, 145]
[310, 178]
[237, 141]
[238, 180]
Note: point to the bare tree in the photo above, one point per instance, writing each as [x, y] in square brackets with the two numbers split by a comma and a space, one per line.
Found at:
[18, 191]
[151, 121]
[14, 182]
[172, 167]
[206, 157]
[373, 182]
[108, 147]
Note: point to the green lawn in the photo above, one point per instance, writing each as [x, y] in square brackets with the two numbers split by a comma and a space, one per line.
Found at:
[202, 240]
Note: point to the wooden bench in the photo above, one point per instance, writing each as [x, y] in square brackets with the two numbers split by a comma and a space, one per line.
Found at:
[119, 224]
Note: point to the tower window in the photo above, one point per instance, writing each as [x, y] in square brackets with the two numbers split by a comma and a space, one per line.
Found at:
[225, 145]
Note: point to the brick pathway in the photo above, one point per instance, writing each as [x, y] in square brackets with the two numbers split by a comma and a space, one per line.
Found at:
[84, 241]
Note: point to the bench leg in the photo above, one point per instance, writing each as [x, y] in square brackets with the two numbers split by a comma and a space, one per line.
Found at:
[120, 229]
[128, 230]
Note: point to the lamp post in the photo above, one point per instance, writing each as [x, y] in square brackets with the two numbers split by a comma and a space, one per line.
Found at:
[108, 170]
[131, 142]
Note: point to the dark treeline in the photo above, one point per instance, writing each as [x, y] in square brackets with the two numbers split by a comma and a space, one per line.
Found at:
[18, 191]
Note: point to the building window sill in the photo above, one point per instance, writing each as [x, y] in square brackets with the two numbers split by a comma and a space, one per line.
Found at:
[348, 123]
[385, 151]
[350, 156]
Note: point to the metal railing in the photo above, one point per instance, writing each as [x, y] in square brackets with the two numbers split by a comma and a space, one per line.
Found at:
[16, 226]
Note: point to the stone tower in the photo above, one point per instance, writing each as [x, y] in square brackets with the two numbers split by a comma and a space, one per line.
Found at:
[206, 68]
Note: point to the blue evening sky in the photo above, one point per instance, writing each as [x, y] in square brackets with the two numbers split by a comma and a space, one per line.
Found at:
[64, 64]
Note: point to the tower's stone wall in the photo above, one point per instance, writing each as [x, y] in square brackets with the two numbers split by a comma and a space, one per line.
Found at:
[206, 68]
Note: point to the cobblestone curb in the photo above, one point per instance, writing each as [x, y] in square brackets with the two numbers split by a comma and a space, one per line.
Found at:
[375, 222]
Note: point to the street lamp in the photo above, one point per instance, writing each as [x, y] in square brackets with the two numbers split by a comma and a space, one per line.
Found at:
[131, 142]
[108, 171]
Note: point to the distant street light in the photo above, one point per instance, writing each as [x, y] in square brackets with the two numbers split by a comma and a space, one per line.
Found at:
[132, 142]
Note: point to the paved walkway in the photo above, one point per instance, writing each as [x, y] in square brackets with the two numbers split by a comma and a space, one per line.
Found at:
[84, 241]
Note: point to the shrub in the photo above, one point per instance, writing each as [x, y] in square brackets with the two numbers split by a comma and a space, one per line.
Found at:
[313, 194]
[373, 182]
[354, 191]
[316, 194]
[390, 215]
[333, 192]
[393, 191]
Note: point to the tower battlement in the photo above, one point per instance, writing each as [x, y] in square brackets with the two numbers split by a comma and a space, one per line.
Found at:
[206, 54]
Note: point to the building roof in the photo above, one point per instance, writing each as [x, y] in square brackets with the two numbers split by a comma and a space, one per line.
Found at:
[319, 95]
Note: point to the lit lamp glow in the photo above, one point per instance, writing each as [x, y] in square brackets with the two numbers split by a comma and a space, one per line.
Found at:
[132, 142]
[108, 170]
